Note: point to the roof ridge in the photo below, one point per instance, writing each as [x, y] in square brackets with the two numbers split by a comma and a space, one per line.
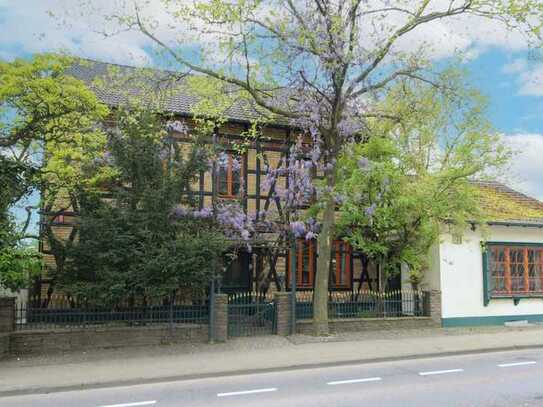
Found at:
[96, 61]
[509, 189]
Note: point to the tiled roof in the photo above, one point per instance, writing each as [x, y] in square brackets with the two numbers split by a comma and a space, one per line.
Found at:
[115, 84]
[503, 205]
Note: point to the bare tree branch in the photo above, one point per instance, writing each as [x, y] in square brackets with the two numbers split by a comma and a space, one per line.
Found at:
[418, 19]
[255, 93]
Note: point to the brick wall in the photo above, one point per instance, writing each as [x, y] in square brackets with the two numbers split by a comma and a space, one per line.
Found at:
[435, 306]
[282, 313]
[305, 327]
[51, 341]
[7, 314]
[4, 344]
[221, 318]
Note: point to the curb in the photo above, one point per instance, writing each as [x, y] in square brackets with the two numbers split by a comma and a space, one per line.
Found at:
[176, 378]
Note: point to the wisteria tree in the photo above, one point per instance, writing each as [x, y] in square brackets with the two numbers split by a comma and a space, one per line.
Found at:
[319, 64]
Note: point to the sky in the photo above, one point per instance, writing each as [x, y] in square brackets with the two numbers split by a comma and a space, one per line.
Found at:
[500, 64]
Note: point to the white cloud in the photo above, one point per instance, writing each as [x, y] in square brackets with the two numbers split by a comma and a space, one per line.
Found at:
[31, 29]
[528, 76]
[531, 81]
[517, 66]
[468, 35]
[526, 172]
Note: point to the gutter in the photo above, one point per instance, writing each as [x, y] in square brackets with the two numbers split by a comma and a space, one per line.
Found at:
[516, 223]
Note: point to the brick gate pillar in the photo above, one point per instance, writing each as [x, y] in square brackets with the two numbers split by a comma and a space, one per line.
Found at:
[283, 313]
[435, 306]
[221, 317]
[7, 314]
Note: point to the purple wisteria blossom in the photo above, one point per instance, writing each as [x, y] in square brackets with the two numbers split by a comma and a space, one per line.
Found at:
[164, 153]
[236, 165]
[298, 229]
[310, 235]
[339, 198]
[106, 159]
[177, 126]
[179, 212]
[230, 216]
[235, 222]
[364, 164]
[222, 160]
[300, 189]
[204, 213]
[370, 210]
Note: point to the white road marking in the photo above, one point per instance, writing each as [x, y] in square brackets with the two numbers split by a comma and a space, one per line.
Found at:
[531, 362]
[139, 403]
[368, 379]
[436, 372]
[240, 393]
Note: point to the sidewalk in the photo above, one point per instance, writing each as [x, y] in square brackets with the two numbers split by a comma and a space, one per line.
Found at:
[249, 355]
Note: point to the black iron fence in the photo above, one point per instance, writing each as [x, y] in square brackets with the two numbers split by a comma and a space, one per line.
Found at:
[367, 304]
[64, 313]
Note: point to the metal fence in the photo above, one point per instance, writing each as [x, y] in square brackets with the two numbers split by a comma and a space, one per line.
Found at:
[367, 304]
[251, 313]
[61, 313]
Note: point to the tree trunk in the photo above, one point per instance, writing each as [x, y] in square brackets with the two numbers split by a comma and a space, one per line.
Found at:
[320, 296]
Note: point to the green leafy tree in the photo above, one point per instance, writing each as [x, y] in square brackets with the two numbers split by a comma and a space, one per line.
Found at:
[413, 176]
[48, 133]
[134, 241]
[19, 261]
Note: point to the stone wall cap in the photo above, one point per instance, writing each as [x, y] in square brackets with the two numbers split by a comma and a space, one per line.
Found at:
[93, 329]
[387, 319]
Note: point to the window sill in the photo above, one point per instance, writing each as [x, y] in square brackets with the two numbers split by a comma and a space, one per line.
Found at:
[230, 197]
[516, 297]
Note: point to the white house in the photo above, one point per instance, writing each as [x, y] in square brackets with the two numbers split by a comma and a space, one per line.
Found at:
[493, 274]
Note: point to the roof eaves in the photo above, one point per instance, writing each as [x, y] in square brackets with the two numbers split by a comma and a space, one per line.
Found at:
[518, 223]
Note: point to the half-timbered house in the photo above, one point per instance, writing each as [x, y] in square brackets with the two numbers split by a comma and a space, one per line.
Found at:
[483, 277]
[266, 266]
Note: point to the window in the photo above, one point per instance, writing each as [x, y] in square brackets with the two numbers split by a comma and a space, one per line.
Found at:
[341, 265]
[514, 270]
[229, 176]
[306, 264]
[60, 219]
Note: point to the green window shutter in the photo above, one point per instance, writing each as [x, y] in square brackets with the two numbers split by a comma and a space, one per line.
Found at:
[486, 277]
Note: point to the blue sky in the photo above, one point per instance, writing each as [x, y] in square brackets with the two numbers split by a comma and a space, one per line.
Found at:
[500, 64]
[498, 75]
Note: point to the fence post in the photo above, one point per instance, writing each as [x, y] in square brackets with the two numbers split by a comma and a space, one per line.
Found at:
[211, 312]
[293, 276]
[435, 306]
[7, 314]
[221, 318]
[283, 312]
[170, 316]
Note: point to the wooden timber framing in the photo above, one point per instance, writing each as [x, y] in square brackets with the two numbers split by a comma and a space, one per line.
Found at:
[267, 262]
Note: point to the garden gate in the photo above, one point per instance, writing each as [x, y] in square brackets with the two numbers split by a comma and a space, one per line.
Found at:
[251, 313]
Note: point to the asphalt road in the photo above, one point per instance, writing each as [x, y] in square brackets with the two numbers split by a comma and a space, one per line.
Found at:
[492, 379]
